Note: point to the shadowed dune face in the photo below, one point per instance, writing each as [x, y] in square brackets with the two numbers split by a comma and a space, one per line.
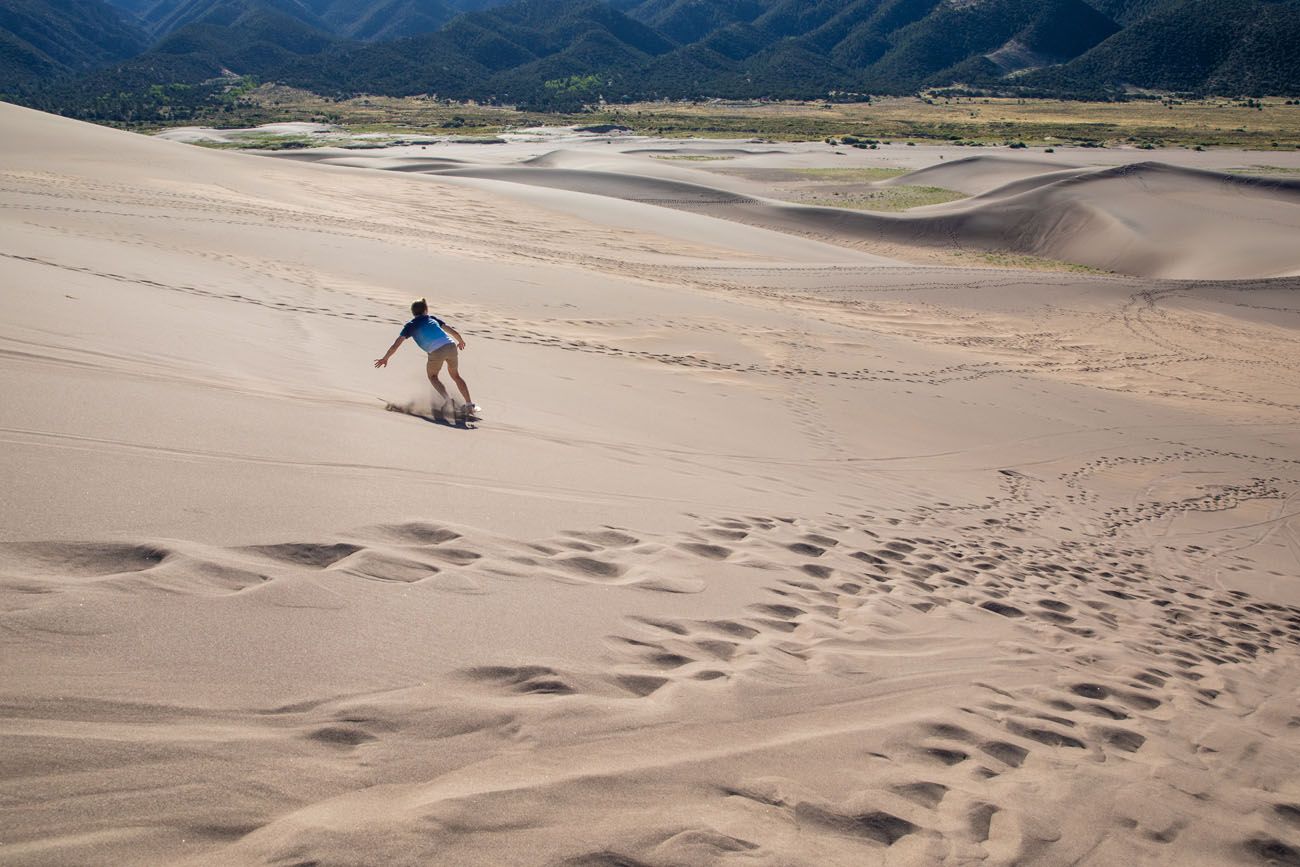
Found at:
[767, 550]
[1148, 218]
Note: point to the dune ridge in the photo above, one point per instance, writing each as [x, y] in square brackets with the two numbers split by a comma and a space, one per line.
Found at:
[981, 174]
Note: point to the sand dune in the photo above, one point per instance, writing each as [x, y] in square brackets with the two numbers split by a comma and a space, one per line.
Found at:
[982, 174]
[1011, 188]
[331, 156]
[767, 550]
[635, 188]
[1146, 219]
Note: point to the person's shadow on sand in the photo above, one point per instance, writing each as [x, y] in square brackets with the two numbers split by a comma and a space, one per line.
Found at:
[432, 417]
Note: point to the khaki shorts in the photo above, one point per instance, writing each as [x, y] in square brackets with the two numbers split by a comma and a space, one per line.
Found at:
[448, 355]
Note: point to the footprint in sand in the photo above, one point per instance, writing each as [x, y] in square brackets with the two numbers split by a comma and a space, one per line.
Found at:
[522, 680]
[311, 555]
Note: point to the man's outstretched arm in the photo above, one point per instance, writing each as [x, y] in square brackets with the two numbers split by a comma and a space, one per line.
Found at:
[383, 362]
[455, 335]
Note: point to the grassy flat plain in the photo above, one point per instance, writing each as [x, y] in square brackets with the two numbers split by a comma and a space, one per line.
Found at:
[974, 121]
[847, 187]
[889, 199]
[1209, 123]
[898, 198]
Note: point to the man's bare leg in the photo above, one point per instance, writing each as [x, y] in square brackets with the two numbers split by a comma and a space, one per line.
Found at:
[433, 369]
[453, 369]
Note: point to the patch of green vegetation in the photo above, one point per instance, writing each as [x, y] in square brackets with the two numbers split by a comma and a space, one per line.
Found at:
[888, 199]
[862, 175]
[955, 121]
[264, 142]
[1026, 262]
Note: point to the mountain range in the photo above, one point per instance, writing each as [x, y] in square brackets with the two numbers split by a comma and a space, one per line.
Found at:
[64, 54]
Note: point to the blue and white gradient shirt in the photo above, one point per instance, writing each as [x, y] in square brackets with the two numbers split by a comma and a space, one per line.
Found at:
[428, 332]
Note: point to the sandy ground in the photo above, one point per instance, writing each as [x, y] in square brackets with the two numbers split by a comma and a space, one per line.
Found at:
[778, 544]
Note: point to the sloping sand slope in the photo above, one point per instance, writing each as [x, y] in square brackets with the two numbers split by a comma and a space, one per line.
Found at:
[766, 552]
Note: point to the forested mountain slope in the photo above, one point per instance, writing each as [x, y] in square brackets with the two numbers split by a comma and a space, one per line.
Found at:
[563, 54]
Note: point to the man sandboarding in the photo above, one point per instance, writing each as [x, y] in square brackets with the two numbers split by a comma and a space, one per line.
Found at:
[443, 343]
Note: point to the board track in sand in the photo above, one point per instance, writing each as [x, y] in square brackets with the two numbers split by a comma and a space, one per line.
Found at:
[778, 549]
